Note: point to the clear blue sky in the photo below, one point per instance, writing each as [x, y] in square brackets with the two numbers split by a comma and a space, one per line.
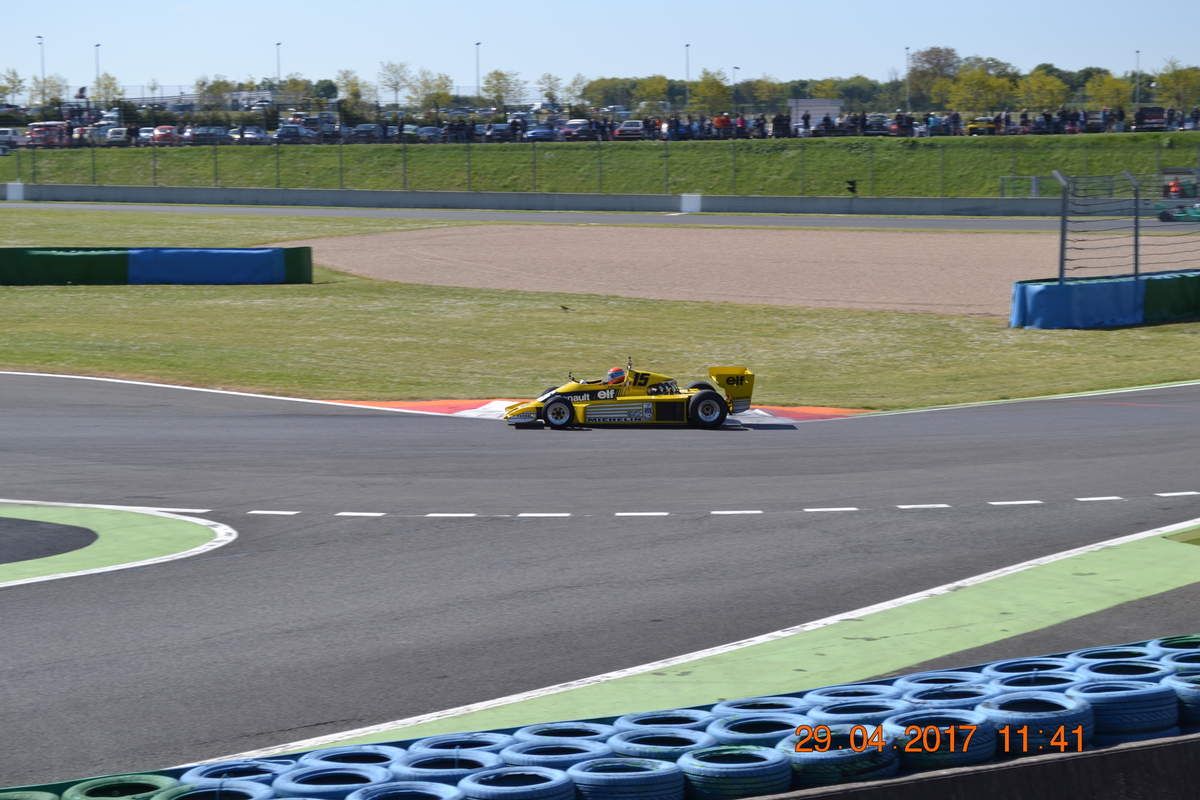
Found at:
[176, 41]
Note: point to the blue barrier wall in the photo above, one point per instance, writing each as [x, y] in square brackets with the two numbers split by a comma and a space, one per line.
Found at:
[1099, 303]
[206, 266]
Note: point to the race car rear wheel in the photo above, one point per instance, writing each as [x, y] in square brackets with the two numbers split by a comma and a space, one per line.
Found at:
[558, 413]
[707, 409]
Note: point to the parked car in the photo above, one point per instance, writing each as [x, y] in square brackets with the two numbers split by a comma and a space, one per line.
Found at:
[249, 134]
[981, 126]
[877, 125]
[366, 133]
[165, 135]
[12, 137]
[429, 134]
[295, 134]
[210, 135]
[145, 136]
[630, 129]
[541, 133]
[498, 132]
[579, 130]
[116, 137]
[1150, 118]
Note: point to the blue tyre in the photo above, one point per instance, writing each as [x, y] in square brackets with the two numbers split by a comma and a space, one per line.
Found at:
[559, 731]
[941, 739]
[850, 691]
[1091, 655]
[450, 742]
[1187, 691]
[729, 772]
[627, 779]
[1019, 666]
[448, 767]
[554, 754]
[1122, 708]
[848, 756]
[935, 679]
[258, 770]
[218, 790]
[1175, 645]
[1055, 681]
[120, 787]
[28, 796]
[750, 706]
[964, 696]
[1042, 714]
[765, 730]
[1182, 662]
[328, 782]
[858, 712]
[689, 718]
[666, 744]
[1151, 671]
[518, 783]
[407, 790]
[381, 755]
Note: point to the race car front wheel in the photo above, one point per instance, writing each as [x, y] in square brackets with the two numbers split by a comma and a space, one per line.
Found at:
[558, 413]
[707, 410]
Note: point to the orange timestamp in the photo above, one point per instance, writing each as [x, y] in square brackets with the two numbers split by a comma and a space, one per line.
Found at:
[1023, 740]
[860, 738]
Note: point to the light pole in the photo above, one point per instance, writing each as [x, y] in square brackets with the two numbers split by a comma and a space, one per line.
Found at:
[477, 85]
[687, 75]
[907, 82]
[42, 54]
[277, 74]
[1137, 78]
[97, 49]
[733, 87]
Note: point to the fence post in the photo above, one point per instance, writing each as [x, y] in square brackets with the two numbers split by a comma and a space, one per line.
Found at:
[1137, 222]
[667, 165]
[533, 162]
[1065, 183]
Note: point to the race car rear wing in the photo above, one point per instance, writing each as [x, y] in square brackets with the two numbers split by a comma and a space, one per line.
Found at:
[738, 384]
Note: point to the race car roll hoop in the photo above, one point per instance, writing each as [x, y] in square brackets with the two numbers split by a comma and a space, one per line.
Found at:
[635, 397]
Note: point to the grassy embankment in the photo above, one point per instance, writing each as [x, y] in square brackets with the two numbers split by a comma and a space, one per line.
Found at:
[346, 337]
[952, 167]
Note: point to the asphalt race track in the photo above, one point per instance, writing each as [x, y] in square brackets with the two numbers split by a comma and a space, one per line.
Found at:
[313, 623]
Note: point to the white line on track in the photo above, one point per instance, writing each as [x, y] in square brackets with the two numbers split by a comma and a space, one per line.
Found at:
[843, 508]
[1015, 503]
[642, 514]
[924, 505]
[1098, 499]
[668, 663]
[168, 510]
[451, 514]
[360, 514]
[729, 513]
[542, 514]
[267, 513]
[1175, 494]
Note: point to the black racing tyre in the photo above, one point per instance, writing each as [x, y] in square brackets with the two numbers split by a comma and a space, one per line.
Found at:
[708, 387]
[707, 409]
[120, 787]
[558, 413]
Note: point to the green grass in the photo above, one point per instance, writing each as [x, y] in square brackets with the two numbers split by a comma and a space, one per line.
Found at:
[952, 167]
[346, 337]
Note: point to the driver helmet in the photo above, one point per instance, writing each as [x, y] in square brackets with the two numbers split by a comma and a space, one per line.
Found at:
[615, 375]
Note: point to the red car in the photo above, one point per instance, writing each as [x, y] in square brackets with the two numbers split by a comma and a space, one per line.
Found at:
[165, 135]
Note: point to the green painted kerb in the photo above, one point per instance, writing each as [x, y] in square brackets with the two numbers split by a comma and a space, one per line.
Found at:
[880, 644]
[122, 537]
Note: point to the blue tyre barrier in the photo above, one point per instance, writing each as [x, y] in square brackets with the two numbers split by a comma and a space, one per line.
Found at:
[931, 680]
[1128, 708]
[627, 779]
[218, 790]
[847, 759]
[559, 731]
[380, 755]
[674, 718]
[730, 772]
[518, 783]
[1017, 666]
[940, 739]
[750, 706]
[1182, 662]
[555, 755]
[437, 766]
[1043, 713]
[759, 729]
[1187, 691]
[120, 787]
[328, 782]
[450, 742]
[1153, 671]
[258, 770]
[1091, 655]
[850, 691]
[28, 796]
[666, 744]
[963, 696]
[1055, 681]
[407, 790]
[1174, 645]
[859, 712]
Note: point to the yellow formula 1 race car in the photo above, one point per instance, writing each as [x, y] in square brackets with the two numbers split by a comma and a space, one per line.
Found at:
[632, 397]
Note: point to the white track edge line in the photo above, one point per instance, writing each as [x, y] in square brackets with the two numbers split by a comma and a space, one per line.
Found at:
[222, 535]
[667, 663]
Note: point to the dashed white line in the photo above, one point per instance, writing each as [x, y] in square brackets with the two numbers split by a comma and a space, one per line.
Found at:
[544, 514]
[1015, 503]
[642, 514]
[843, 508]
[450, 514]
[1175, 494]
[360, 514]
[727, 513]
[274, 513]
[1098, 499]
[924, 505]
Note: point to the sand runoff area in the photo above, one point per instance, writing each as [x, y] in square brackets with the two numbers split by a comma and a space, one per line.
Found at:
[950, 273]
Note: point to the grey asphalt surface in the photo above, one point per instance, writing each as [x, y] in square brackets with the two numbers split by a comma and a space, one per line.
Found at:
[847, 221]
[23, 539]
[313, 624]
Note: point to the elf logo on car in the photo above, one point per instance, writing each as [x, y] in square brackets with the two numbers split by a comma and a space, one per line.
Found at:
[735, 380]
[606, 394]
